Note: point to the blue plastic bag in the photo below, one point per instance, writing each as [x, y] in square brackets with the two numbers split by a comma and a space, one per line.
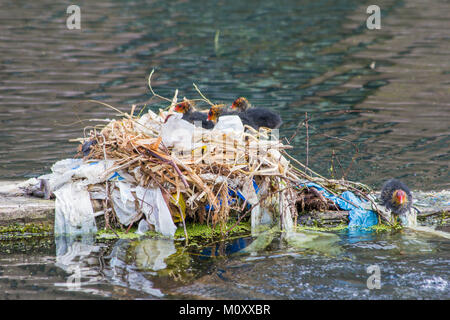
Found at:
[358, 217]
[232, 193]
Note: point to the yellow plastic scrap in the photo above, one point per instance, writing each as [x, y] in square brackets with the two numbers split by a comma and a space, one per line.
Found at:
[179, 202]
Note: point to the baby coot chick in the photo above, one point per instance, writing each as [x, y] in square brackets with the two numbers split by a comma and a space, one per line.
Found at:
[192, 116]
[86, 147]
[396, 196]
[218, 110]
[261, 117]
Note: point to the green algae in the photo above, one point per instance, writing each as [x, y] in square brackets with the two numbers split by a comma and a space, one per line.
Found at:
[27, 230]
[378, 228]
[31, 245]
[324, 229]
[25, 238]
[195, 232]
[108, 234]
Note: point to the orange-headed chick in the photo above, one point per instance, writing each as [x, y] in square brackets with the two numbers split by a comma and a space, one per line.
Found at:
[186, 107]
[396, 196]
[260, 117]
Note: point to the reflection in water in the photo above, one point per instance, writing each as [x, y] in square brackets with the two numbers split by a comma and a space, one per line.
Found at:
[411, 267]
[410, 263]
[78, 259]
[123, 274]
[151, 253]
[318, 241]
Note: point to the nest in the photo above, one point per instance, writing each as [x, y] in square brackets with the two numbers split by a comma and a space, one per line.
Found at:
[204, 182]
[205, 177]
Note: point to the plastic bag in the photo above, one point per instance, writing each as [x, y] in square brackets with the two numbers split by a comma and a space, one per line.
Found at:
[249, 193]
[143, 227]
[156, 210]
[64, 171]
[359, 215]
[123, 201]
[93, 172]
[177, 133]
[146, 126]
[73, 210]
[229, 124]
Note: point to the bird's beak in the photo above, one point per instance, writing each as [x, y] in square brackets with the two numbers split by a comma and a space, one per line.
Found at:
[400, 197]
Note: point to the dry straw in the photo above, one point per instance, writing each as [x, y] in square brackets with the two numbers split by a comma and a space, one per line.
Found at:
[208, 175]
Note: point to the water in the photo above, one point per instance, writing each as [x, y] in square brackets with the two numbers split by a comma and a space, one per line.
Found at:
[412, 266]
[293, 57]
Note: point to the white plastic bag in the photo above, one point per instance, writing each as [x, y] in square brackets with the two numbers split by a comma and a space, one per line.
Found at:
[177, 133]
[143, 227]
[145, 125]
[65, 165]
[156, 210]
[249, 193]
[93, 172]
[64, 171]
[229, 124]
[124, 203]
[73, 210]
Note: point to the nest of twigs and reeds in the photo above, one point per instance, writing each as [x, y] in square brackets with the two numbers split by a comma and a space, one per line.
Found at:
[203, 184]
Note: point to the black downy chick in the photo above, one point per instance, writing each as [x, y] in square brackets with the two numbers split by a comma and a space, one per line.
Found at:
[219, 110]
[193, 116]
[396, 196]
[261, 117]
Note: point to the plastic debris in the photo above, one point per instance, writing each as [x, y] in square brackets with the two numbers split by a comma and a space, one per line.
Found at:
[155, 210]
[177, 133]
[73, 210]
[158, 168]
[74, 213]
[64, 171]
[229, 124]
[314, 240]
[143, 227]
[123, 201]
[359, 214]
